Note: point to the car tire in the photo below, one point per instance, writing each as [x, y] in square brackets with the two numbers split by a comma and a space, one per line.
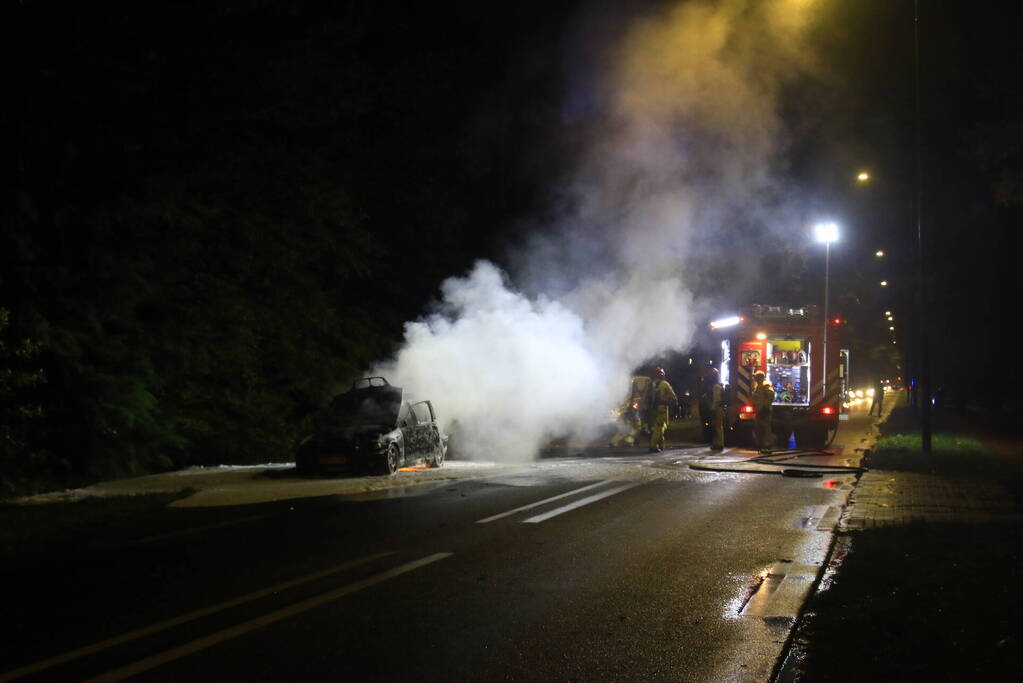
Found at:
[437, 458]
[392, 459]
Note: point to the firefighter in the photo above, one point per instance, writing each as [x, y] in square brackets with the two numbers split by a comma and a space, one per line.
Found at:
[661, 396]
[633, 413]
[706, 401]
[715, 416]
[640, 397]
[758, 377]
[629, 425]
[763, 400]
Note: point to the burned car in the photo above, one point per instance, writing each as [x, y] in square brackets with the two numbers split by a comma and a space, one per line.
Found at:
[373, 426]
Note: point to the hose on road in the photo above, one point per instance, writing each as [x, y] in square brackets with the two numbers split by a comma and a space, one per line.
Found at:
[780, 459]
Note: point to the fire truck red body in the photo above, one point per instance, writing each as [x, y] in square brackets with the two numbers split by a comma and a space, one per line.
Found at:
[788, 344]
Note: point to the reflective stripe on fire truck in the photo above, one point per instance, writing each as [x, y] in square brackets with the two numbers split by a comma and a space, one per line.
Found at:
[834, 390]
[743, 386]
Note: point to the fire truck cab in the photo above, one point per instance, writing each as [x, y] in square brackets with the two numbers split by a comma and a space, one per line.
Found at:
[808, 372]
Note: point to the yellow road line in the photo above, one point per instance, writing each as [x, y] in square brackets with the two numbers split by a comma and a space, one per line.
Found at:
[148, 663]
[169, 623]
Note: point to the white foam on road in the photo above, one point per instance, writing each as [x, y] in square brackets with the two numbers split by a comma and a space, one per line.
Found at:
[252, 484]
[246, 485]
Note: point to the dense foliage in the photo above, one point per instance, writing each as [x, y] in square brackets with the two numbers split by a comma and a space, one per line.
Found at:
[218, 217]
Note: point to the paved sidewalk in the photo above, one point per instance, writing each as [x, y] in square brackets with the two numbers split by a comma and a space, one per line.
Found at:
[886, 497]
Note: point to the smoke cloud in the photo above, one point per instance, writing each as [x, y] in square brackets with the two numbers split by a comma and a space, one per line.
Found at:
[685, 136]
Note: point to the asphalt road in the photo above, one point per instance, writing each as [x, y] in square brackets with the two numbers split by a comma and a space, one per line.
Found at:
[611, 565]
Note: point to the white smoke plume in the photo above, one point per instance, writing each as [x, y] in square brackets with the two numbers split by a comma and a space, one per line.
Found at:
[685, 133]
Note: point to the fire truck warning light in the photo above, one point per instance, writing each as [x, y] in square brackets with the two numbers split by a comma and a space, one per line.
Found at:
[725, 322]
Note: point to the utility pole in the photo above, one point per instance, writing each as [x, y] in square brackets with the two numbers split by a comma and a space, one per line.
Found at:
[924, 393]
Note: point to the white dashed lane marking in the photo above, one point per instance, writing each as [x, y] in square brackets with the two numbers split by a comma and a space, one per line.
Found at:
[579, 503]
[541, 502]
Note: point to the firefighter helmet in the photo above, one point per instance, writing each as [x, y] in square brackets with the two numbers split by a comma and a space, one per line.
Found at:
[760, 375]
[658, 373]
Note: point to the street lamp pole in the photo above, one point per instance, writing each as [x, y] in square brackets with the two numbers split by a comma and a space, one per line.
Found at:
[827, 233]
[827, 279]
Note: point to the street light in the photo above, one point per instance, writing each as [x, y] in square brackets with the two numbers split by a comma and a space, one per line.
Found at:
[863, 176]
[879, 253]
[826, 233]
[884, 283]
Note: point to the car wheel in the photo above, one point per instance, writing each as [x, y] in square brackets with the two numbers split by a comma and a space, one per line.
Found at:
[393, 460]
[437, 459]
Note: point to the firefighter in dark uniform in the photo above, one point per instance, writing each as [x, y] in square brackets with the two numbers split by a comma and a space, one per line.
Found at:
[662, 396]
[763, 401]
[705, 394]
[715, 417]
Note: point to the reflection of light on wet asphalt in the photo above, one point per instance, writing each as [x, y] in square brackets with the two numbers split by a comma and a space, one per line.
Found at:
[744, 589]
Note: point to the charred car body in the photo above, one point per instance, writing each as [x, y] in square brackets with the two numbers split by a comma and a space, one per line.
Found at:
[373, 426]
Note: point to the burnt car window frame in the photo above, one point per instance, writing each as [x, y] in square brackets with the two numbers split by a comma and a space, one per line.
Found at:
[431, 417]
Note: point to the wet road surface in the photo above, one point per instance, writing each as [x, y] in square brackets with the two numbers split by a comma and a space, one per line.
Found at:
[614, 565]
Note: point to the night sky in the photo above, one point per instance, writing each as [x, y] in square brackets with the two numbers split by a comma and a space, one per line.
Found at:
[218, 213]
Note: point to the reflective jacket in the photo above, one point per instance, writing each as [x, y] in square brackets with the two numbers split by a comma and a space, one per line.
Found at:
[763, 398]
[664, 395]
[716, 396]
[640, 392]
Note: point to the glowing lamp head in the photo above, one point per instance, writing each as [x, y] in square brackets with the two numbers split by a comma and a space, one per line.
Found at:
[826, 233]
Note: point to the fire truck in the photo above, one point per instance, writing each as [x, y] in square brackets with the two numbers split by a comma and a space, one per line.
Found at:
[808, 370]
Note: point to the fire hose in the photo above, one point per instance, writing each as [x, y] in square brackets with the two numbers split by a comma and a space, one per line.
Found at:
[778, 459]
